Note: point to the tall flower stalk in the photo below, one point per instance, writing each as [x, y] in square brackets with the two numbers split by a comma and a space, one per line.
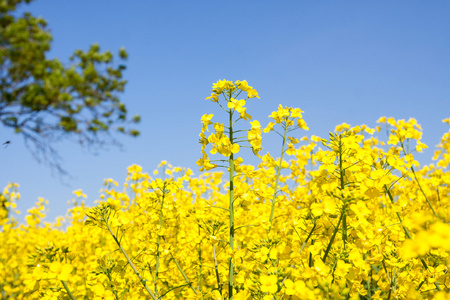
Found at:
[228, 146]
[289, 119]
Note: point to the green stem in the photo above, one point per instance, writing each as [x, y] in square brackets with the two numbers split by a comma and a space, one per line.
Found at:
[426, 198]
[333, 236]
[231, 211]
[188, 282]
[67, 290]
[343, 217]
[408, 235]
[418, 183]
[136, 272]
[200, 262]
[272, 211]
[307, 238]
[342, 181]
[173, 288]
[219, 285]
[159, 240]
[113, 290]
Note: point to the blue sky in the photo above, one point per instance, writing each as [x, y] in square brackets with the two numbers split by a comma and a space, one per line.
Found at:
[339, 61]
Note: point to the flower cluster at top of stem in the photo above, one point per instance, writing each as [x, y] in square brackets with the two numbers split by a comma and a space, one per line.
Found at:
[222, 140]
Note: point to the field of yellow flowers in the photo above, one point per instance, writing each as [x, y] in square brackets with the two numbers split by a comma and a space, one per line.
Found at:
[350, 216]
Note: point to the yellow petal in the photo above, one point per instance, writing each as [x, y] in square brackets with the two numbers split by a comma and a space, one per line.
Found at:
[235, 148]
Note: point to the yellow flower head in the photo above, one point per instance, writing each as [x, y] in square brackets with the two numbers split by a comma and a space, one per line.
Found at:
[206, 120]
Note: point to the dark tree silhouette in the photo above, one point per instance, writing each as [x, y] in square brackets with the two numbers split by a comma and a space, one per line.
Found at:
[45, 100]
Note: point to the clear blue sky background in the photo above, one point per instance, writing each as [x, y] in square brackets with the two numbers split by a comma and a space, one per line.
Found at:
[339, 61]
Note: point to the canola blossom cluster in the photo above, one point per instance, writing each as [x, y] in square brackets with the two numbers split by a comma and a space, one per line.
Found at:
[350, 216]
